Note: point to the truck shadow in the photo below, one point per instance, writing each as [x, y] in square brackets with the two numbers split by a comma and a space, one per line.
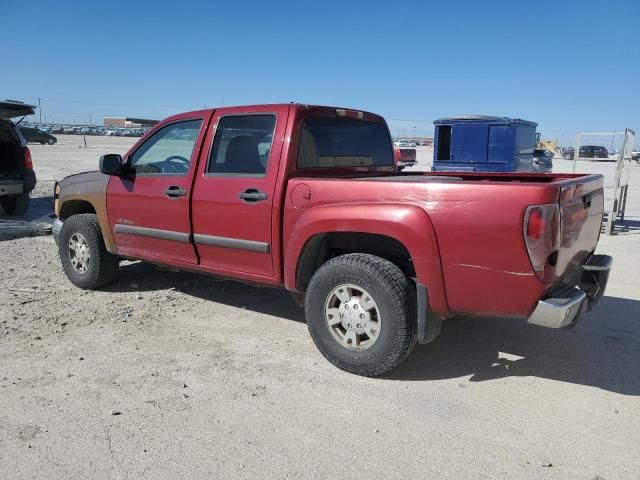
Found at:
[602, 351]
[141, 277]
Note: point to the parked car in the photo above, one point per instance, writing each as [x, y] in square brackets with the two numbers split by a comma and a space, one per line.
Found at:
[110, 132]
[17, 177]
[587, 151]
[69, 130]
[404, 144]
[35, 135]
[542, 161]
[405, 157]
[593, 151]
[635, 155]
[378, 257]
[568, 153]
[57, 129]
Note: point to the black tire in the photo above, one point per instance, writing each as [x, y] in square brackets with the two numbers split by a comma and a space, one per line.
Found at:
[51, 141]
[395, 297]
[102, 265]
[15, 204]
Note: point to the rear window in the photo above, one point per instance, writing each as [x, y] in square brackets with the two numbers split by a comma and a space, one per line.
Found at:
[343, 142]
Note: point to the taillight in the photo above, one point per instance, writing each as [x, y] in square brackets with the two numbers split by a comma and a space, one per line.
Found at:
[28, 164]
[542, 238]
[398, 154]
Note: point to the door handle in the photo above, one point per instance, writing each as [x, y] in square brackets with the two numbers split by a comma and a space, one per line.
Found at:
[252, 195]
[174, 191]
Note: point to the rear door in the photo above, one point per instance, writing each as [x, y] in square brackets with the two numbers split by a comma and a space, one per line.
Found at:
[149, 207]
[233, 194]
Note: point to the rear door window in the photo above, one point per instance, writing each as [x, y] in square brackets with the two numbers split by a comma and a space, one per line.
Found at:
[242, 145]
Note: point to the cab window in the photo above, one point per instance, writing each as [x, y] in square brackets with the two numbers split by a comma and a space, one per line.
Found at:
[168, 151]
[327, 142]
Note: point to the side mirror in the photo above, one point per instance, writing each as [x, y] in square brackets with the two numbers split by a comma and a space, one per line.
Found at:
[111, 164]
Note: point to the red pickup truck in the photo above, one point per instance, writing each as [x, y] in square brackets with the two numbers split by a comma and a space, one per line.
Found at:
[308, 198]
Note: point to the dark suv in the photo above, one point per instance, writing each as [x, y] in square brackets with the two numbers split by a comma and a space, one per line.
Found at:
[593, 151]
[586, 151]
[17, 177]
[34, 135]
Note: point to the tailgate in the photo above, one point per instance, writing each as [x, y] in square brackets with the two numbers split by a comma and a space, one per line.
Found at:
[407, 154]
[581, 208]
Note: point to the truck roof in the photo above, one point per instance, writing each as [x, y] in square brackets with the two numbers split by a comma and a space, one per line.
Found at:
[485, 119]
[299, 106]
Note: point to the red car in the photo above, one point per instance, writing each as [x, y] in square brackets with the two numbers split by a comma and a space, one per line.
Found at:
[405, 157]
[308, 198]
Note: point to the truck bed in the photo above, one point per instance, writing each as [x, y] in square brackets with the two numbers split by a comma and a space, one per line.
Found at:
[478, 220]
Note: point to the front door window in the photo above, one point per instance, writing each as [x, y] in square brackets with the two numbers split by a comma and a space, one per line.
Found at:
[168, 151]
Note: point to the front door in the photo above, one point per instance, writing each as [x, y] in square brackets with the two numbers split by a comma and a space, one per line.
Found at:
[148, 207]
[233, 196]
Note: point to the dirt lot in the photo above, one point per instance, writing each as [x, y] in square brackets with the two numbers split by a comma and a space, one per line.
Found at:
[172, 375]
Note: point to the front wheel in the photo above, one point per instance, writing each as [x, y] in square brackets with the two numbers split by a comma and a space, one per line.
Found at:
[83, 254]
[361, 311]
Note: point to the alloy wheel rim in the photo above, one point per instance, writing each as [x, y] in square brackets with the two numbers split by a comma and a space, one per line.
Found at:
[79, 254]
[353, 317]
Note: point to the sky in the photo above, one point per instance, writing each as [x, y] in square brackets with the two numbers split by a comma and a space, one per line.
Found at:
[567, 65]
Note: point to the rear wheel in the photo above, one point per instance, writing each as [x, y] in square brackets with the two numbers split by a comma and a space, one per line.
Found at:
[360, 312]
[51, 141]
[15, 204]
[83, 254]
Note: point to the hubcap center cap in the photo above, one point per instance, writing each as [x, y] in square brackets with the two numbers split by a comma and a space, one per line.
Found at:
[353, 316]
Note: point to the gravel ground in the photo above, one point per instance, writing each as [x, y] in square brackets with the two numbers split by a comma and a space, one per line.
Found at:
[173, 375]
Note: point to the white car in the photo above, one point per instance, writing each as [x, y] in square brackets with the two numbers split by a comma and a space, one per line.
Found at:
[404, 143]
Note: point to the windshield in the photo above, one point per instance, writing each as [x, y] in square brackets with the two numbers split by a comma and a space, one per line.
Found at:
[343, 142]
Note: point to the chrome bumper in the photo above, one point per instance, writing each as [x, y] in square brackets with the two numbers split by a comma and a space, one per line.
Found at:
[56, 226]
[568, 304]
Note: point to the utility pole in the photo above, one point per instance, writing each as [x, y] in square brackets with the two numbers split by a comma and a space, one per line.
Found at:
[414, 132]
[40, 109]
[90, 120]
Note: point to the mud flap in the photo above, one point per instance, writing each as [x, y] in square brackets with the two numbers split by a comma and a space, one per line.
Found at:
[429, 324]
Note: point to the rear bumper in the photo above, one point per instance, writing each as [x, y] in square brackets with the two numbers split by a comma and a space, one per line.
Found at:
[11, 187]
[568, 304]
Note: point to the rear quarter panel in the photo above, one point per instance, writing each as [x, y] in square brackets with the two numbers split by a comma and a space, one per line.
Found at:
[465, 238]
